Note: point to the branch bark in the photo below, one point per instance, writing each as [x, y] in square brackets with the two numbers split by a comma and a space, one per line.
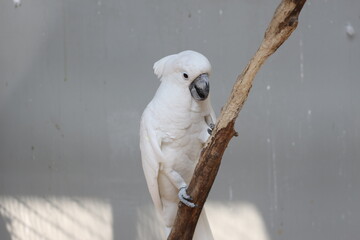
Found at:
[283, 23]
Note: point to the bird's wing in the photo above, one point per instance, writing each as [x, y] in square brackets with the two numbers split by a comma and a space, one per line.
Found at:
[151, 158]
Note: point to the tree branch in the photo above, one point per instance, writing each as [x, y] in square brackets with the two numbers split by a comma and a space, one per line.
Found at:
[283, 23]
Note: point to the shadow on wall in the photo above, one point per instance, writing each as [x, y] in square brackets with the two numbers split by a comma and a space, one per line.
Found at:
[4, 233]
[229, 221]
[69, 218]
[50, 218]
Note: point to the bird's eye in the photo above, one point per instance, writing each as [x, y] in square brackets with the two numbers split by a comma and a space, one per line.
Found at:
[185, 75]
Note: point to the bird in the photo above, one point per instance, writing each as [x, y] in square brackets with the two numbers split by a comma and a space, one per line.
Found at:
[173, 129]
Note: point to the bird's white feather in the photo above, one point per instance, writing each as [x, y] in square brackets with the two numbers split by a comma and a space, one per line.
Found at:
[174, 127]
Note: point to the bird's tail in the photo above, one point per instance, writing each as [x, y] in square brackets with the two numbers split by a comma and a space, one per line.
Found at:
[203, 231]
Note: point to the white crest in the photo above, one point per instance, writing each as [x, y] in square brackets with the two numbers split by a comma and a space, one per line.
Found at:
[159, 66]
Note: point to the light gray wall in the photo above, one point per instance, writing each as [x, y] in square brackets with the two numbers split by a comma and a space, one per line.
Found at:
[76, 75]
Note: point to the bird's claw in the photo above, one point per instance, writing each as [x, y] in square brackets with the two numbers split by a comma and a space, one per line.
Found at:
[212, 126]
[185, 198]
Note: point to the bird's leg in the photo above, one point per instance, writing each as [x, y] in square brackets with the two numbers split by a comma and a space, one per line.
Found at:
[185, 198]
[211, 128]
[209, 121]
[176, 179]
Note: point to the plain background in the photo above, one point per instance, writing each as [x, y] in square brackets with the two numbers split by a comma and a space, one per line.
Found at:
[75, 77]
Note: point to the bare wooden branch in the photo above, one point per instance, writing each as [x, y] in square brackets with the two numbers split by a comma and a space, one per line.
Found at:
[283, 23]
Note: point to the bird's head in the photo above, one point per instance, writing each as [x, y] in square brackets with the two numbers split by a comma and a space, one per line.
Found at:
[188, 69]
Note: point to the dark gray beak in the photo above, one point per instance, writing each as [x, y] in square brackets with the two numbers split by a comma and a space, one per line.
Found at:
[200, 87]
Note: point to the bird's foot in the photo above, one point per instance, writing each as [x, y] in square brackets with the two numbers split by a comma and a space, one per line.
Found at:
[185, 198]
[211, 128]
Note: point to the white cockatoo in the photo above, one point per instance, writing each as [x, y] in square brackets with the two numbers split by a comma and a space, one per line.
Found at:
[174, 127]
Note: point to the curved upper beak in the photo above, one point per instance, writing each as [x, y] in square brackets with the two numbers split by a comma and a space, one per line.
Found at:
[200, 87]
